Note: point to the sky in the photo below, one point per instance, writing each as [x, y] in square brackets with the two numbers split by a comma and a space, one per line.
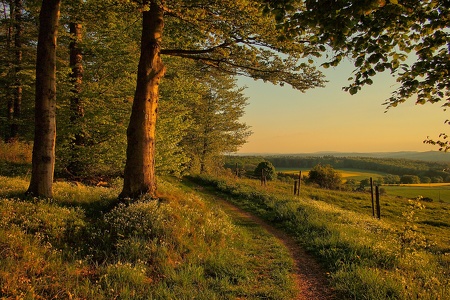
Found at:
[284, 120]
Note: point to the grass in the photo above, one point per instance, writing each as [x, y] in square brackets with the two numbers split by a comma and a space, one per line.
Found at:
[405, 255]
[345, 173]
[438, 193]
[81, 246]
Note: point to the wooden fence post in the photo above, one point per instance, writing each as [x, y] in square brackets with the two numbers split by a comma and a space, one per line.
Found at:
[371, 192]
[299, 182]
[295, 188]
[377, 195]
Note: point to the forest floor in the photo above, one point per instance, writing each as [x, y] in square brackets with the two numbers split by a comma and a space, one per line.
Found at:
[310, 279]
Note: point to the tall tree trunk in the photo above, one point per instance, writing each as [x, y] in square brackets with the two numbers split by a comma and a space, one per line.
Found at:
[9, 94]
[43, 160]
[139, 174]
[17, 106]
[76, 104]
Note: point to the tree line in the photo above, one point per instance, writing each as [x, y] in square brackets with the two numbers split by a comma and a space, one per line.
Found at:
[399, 170]
[111, 61]
[98, 50]
[385, 165]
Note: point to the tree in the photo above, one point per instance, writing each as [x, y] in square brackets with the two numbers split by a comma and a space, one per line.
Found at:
[391, 179]
[15, 109]
[250, 45]
[17, 48]
[179, 91]
[93, 109]
[77, 108]
[364, 183]
[216, 128]
[409, 38]
[325, 177]
[139, 174]
[43, 160]
[267, 169]
[409, 179]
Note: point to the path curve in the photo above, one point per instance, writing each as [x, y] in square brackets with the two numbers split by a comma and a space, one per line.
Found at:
[309, 278]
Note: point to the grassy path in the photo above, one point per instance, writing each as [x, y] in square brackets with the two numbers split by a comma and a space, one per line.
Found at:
[308, 279]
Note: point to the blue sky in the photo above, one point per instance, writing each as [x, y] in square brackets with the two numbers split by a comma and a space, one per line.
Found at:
[284, 120]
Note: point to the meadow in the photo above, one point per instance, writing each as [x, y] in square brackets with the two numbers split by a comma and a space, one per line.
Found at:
[404, 255]
[345, 173]
[436, 191]
[83, 245]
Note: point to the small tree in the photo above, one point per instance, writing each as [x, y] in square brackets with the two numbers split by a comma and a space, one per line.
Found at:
[410, 179]
[364, 183]
[391, 179]
[325, 177]
[269, 170]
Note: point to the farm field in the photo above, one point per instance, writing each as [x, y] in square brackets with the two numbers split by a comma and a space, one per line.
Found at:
[345, 173]
[437, 192]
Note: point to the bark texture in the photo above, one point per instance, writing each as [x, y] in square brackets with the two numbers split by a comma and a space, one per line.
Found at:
[139, 174]
[43, 161]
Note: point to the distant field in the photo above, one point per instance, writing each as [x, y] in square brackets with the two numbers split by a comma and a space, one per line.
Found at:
[346, 173]
[437, 192]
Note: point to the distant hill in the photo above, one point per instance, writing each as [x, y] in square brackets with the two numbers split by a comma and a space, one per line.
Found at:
[430, 156]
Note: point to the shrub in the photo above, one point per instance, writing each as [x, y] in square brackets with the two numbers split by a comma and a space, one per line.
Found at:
[268, 168]
[409, 179]
[325, 177]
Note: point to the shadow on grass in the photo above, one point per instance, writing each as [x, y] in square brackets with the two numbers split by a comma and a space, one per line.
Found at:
[11, 169]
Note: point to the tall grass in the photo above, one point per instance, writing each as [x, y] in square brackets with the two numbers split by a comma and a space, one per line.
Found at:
[366, 258]
[80, 246]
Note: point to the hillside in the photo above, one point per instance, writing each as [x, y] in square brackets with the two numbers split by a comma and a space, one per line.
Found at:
[430, 156]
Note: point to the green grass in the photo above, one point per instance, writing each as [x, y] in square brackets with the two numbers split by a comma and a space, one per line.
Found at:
[405, 255]
[346, 173]
[436, 193]
[80, 245]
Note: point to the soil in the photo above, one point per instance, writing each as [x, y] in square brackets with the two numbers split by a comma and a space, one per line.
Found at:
[310, 279]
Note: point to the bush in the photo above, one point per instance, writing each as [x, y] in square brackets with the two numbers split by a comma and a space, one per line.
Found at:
[409, 179]
[268, 168]
[325, 177]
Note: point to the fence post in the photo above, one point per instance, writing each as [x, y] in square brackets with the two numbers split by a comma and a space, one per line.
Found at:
[371, 192]
[377, 194]
[295, 188]
[299, 182]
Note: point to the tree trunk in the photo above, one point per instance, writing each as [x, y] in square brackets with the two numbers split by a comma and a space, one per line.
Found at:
[75, 165]
[9, 60]
[139, 174]
[43, 161]
[18, 32]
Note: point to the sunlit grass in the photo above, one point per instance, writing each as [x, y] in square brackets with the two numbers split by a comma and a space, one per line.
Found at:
[436, 192]
[80, 246]
[401, 256]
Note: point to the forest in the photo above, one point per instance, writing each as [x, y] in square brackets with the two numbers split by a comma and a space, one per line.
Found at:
[130, 88]
[115, 119]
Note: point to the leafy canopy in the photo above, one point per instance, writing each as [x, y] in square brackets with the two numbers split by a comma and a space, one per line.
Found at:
[408, 38]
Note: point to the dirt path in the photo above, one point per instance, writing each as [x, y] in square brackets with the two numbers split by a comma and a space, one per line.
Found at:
[309, 278]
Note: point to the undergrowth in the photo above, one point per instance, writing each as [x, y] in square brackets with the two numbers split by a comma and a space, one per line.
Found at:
[366, 258]
[80, 246]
